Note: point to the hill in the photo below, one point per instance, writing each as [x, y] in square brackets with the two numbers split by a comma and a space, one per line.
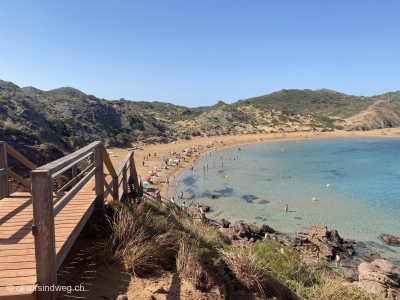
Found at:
[68, 117]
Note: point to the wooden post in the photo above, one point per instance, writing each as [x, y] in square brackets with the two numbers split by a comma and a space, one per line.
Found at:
[4, 187]
[99, 178]
[124, 183]
[74, 173]
[44, 235]
[115, 189]
[135, 177]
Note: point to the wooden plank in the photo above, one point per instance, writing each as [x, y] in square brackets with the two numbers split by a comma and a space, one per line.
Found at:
[19, 179]
[124, 183]
[43, 219]
[66, 160]
[16, 295]
[62, 253]
[26, 268]
[17, 258]
[4, 188]
[64, 201]
[16, 253]
[17, 281]
[20, 157]
[109, 164]
[3, 171]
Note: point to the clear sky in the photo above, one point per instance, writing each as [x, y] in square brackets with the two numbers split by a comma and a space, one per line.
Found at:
[197, 52]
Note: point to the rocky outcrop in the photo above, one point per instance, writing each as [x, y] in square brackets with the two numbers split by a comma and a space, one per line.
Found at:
[328, 242]
[379, 277]
[224, 223]
[242, 234]
[390, 239]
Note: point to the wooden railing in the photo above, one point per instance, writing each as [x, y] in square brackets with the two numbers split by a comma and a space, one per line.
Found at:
[5, 172]
[121, 177]
[47, 262]
[44, 210]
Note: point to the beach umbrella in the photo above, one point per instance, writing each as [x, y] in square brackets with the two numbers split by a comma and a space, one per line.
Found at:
[142, 178]
[173, 152]
[170, 159]
[147, 178]
[161, 164]
[145, 183]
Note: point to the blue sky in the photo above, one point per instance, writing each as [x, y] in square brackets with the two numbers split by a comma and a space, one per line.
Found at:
[197, 52]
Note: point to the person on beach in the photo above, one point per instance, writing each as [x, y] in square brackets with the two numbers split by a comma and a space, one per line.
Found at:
[267, 237]
[286, 208]
[167, 180]
[289, 176]
[173, 200]
[158, 195]
[317, 254]
[337, 259]
[181, 195]
[183, 206]
[143, 163]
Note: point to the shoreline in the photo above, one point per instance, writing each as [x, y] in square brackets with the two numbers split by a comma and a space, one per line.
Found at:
[117, 154]
[168, 190]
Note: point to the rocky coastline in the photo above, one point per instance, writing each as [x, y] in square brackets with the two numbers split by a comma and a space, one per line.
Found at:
[359, 265]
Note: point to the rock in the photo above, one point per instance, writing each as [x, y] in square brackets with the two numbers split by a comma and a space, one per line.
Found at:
[318, 231]
[390, 239]
[224, 223]
[242, 229]
[204, 208]
[265, 228]
[350, 275]
[122, 297]
[372, 256]
[328, 242]
[255, 229]
[379, 277]
[263, 201]
[335, 238]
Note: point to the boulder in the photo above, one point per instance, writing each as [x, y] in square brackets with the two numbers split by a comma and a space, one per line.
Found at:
[350, 275]
[255, 229]
[265, 228]
[371, 256]
[328, 242]
[204, 208]
[390, 239]
[242, 229]
[379, 277]
[224, 223]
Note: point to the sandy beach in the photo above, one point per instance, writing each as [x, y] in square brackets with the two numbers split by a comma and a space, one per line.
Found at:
[151, 154]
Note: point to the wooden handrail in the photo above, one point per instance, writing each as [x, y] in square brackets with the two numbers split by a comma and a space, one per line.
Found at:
[64, 201]
[76, 178]
[19, 179]
[19, 157]
[59, 164]
[108, 164]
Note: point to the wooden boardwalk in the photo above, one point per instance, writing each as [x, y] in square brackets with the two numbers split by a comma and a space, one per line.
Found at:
[21, 244]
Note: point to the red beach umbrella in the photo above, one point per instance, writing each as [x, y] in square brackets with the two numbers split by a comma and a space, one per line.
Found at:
[147, 178]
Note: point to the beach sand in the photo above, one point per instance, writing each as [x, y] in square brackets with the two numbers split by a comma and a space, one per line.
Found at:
[167, 190]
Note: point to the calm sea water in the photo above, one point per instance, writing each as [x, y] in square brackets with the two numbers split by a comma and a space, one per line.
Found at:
[361, 202]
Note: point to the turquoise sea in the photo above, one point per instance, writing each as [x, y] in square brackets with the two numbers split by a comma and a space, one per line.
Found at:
[361, 202]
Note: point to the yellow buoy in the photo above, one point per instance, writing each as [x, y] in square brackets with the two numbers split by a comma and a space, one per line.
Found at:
[327, 185]
[212, 189]
[313, 199]
[226, 176]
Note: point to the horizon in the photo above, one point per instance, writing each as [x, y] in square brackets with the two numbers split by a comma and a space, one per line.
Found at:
[198, 53]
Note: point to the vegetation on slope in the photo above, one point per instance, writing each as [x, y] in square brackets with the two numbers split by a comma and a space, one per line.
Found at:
[148, 237]
[68, 117]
